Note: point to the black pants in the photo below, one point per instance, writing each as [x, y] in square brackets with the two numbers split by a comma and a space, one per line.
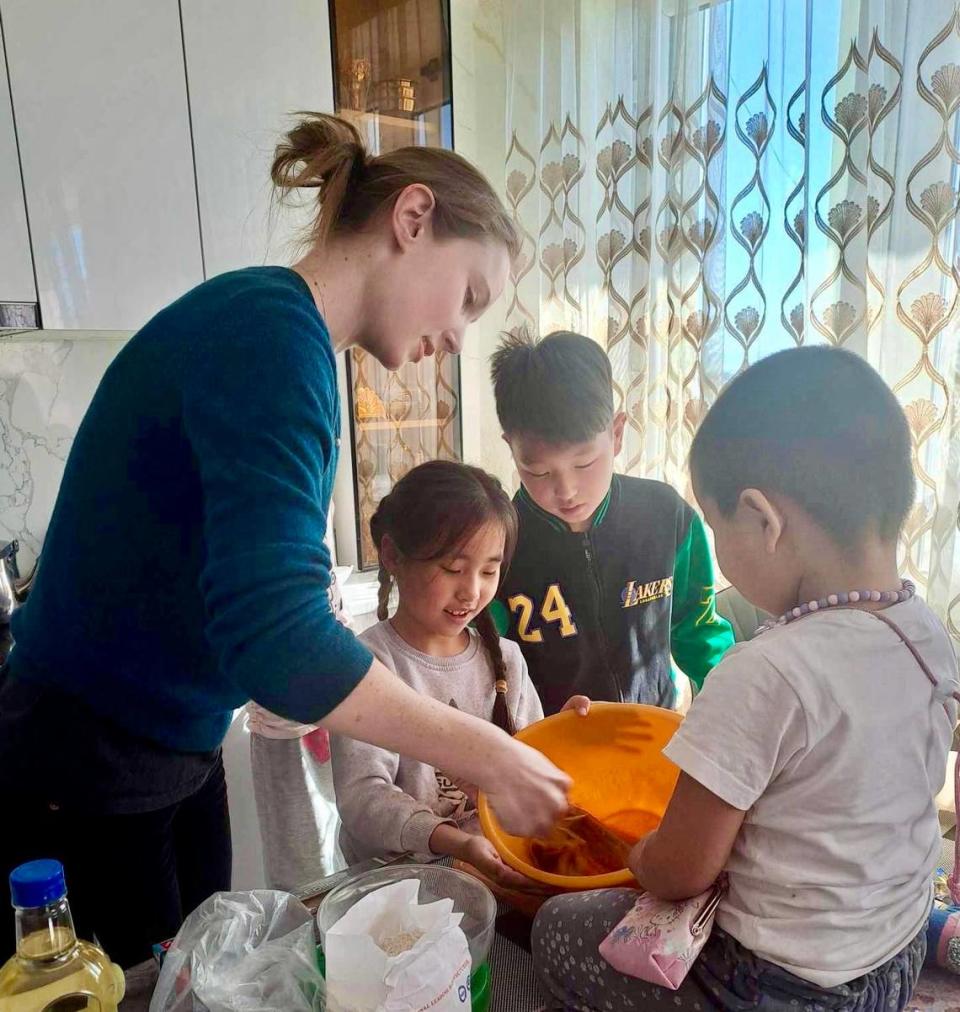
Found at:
[142, 831]
[131, 879]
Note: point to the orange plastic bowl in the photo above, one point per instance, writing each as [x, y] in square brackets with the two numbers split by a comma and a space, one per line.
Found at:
[620, 776]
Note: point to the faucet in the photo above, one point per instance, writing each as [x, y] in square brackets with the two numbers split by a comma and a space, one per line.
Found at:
[9, 575]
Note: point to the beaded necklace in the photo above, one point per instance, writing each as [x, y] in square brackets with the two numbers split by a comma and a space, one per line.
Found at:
[906, 591]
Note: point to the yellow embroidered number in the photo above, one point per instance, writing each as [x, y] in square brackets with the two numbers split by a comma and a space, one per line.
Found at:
[555, 610]
[522, 604]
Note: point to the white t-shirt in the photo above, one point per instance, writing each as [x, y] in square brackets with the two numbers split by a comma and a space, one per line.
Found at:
[829, 735]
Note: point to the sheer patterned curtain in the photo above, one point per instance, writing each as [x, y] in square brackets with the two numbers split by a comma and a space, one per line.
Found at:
[701, 185]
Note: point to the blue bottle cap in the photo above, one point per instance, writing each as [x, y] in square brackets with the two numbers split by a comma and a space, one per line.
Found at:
[37, 883]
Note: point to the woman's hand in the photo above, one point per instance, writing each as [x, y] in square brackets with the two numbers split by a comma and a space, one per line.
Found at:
[579, 703]
[527, 793]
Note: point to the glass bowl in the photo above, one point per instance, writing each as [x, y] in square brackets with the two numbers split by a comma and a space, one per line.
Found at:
[437, 882]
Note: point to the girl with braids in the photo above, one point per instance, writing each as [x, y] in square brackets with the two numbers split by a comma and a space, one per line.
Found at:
[444, 535]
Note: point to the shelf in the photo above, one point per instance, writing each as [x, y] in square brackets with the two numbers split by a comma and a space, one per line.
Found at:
[389, 56]
[417, 118]
[386, 133]
[406, 423]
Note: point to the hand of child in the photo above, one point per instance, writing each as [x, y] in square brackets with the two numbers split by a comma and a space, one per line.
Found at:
[482, 854]
[635, 862]
[579, 703]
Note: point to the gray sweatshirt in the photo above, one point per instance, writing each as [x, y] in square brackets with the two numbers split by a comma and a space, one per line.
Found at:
[390, 804]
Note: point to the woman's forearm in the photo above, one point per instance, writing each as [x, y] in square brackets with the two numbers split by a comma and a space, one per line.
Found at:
[524, 788]
[385, 711]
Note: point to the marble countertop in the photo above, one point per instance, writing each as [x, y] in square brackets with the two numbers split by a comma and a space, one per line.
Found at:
[31, 335]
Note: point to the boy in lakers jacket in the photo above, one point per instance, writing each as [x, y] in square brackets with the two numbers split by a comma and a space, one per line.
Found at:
[612, 574]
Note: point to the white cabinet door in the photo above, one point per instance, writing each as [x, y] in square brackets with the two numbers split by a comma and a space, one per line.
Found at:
[249, 66]
[16, 267]
[100, 99]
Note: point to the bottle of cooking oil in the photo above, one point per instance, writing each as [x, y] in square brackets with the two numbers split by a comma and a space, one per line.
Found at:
[53, 971]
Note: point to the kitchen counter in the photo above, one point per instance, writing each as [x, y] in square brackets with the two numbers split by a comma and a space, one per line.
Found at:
[515, 989]
[513, 985]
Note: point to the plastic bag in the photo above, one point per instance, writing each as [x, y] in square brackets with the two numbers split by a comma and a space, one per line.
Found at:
[390, 954]
[239, 952]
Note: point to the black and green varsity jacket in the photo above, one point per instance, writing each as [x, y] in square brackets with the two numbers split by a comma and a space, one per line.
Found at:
[600, 612]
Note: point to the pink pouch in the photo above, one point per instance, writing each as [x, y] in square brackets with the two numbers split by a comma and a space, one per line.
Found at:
[658, 940]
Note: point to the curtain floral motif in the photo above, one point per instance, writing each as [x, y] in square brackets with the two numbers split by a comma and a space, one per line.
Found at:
[698, 188]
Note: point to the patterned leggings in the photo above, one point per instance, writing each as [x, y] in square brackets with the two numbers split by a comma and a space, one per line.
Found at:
[569, 929]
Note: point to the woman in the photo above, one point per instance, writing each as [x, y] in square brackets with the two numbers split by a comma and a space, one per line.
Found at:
[184, 570]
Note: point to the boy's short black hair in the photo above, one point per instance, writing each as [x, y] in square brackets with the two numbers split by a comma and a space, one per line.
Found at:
[820, 426]
[559, 388]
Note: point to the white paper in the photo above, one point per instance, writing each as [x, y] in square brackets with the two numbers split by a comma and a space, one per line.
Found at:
[434, 974]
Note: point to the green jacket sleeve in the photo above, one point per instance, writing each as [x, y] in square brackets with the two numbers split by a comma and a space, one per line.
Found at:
[699, 637]
[500, 615]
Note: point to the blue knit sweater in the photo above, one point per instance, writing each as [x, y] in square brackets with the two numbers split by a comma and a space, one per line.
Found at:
[184, 570]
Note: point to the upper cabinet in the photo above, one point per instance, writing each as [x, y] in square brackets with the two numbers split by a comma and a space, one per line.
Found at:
[100, 101]
[251, 64]
[146, 130]
[18, 293]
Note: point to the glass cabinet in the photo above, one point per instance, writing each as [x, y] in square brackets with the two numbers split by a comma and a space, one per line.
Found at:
[392, 80]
